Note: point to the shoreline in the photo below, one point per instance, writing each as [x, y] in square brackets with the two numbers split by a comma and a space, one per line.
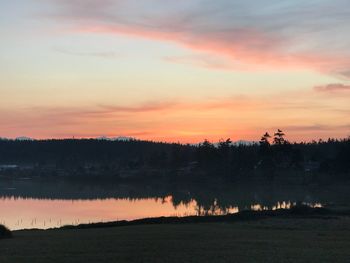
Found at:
[311, 235]
[299, 211]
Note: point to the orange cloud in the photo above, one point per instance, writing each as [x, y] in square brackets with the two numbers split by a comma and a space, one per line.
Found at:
[151, 106]
[236, 117]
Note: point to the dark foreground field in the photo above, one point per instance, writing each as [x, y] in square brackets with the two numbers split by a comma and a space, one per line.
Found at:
[299, 239]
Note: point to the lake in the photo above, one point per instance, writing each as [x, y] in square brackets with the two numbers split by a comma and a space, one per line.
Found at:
[26, 203]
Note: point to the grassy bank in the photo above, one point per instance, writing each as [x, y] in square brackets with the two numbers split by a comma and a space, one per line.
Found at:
[299, 211]
[271, 239]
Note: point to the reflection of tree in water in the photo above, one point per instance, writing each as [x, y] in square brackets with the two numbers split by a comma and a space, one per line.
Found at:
[212, 209]
[223, 199]
[206, 207]
[208, 198]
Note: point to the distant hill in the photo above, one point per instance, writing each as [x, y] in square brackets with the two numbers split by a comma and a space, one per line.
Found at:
[120, 138]
[243, 142]
[24, 138]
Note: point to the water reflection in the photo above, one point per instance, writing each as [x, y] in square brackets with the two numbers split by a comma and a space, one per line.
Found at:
[19, 213]
[282, 205]
[40, 204]
[22, 213]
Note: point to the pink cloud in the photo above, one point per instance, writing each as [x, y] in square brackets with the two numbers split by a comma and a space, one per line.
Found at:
[333, 88]
[245, 48]
[233, 35]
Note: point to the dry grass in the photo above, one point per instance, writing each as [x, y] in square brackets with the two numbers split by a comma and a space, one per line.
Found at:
[269, 240]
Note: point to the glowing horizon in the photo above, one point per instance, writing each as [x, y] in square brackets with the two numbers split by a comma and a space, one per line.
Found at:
[175, 72]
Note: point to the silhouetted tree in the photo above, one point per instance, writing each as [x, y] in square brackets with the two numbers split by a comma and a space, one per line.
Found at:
[224, 149]
[224, 155]
[282, 150]
[207, 154]
[266, 163]
[279, 137]
[265, 144]
[264, 141]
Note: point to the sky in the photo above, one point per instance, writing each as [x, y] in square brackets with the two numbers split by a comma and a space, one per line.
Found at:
[175, 71]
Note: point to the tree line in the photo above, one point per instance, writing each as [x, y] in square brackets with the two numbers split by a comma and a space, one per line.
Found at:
[269, 158]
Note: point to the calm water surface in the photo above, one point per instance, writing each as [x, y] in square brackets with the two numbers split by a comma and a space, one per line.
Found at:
[26, 204]
[19, 213]
[22, 213]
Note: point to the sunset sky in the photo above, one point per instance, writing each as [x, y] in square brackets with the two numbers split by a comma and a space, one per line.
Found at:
[181, 70]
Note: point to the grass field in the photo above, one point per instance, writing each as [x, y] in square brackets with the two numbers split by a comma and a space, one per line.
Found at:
[267, 240]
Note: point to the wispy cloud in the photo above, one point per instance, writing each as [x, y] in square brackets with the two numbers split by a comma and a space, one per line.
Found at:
[264, 34]
[101, 54]
[146, 107]
[315, 127]
[203, 60]
[333, 88]
[181, 120]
